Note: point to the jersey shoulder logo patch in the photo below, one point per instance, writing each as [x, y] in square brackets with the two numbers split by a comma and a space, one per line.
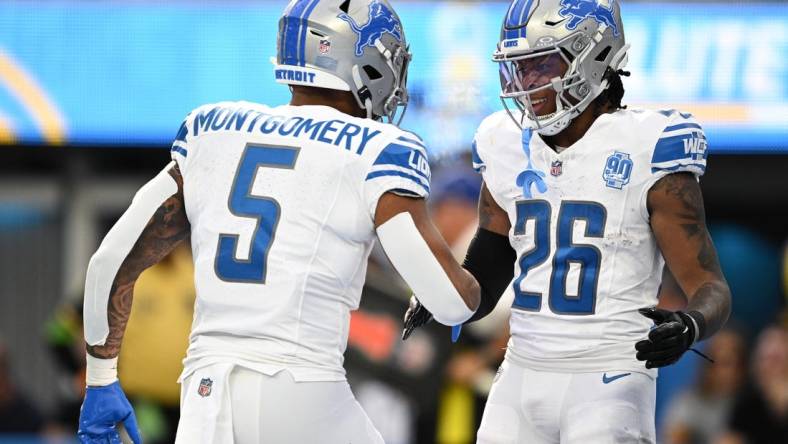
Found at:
[618, 169]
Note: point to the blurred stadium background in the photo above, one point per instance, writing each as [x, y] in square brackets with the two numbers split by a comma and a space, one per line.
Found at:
[91, 93]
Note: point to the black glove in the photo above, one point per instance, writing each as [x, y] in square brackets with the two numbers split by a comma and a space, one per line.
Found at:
[674, 334]
[415, 317]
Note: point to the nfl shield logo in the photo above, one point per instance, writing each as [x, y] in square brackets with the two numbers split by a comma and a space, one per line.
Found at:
[205, 387]
[556, 168]
[325, 46]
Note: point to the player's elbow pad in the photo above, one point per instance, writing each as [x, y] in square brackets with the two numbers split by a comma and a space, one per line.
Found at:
[114, 249]
[413, 259]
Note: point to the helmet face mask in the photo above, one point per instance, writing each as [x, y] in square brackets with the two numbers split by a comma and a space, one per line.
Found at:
[393, 106]
[532, 72]
[534, 82]
[357, 46]
[584, 37]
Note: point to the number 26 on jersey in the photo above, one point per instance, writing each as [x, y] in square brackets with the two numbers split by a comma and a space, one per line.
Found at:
[587, 257]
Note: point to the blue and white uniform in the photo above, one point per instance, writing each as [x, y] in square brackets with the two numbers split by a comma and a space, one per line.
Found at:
[587, 260]
[281, 203]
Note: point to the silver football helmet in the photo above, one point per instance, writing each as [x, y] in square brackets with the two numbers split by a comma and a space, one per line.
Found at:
[349, 45]
[566, 45]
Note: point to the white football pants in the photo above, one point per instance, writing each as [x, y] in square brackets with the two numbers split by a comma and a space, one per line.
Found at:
[226, 404]
[527, 406]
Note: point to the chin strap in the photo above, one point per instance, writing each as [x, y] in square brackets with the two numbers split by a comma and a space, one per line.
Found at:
[621, 58]
[363, 92]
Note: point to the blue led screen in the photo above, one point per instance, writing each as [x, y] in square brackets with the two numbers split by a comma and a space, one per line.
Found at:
[117, 73]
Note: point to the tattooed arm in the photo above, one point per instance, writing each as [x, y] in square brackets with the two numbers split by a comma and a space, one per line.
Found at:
[491, 216]
[678, 221]
[490, 258]
[167, 228]
[153, 225]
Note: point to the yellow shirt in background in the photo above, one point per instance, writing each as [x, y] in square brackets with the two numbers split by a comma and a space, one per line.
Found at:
[157, 334]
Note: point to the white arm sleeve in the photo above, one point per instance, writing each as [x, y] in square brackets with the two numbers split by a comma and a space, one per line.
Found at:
[413, 259]
[106, 261]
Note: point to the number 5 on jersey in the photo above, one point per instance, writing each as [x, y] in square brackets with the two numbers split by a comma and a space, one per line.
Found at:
[588, 257]
[264, 210]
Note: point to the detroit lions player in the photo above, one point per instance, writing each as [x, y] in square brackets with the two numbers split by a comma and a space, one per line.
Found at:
[282, 205]
[583, 203]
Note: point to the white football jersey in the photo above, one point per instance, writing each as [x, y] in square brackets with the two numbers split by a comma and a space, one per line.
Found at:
[281, 203]
[587, 258]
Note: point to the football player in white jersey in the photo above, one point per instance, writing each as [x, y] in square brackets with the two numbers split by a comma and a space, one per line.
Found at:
[282, 206]
[582, 205]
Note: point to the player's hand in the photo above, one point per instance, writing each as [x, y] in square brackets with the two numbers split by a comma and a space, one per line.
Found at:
[104, 407]
[415, 317]
[673, 334]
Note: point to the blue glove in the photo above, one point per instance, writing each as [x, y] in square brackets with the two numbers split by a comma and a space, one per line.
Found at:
[104, 407]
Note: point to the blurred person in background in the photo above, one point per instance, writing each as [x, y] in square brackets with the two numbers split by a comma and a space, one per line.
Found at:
[65, 340]
[401, 385]
[470, 370]
[155, 343]
[592, 238]
[453, 207]
[281, 205]
[760, 411]
[453, 203]
[699, 415]
[18, 414]
[469, 376]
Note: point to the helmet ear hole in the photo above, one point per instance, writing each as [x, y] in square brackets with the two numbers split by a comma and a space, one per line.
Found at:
[567, 54]
[372, 73]
[603, 55]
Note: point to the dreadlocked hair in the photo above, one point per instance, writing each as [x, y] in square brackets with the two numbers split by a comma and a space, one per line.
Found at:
[614, 92]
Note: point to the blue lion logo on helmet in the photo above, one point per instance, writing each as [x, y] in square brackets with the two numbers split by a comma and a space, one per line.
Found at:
[579, 10]
[381, 21]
